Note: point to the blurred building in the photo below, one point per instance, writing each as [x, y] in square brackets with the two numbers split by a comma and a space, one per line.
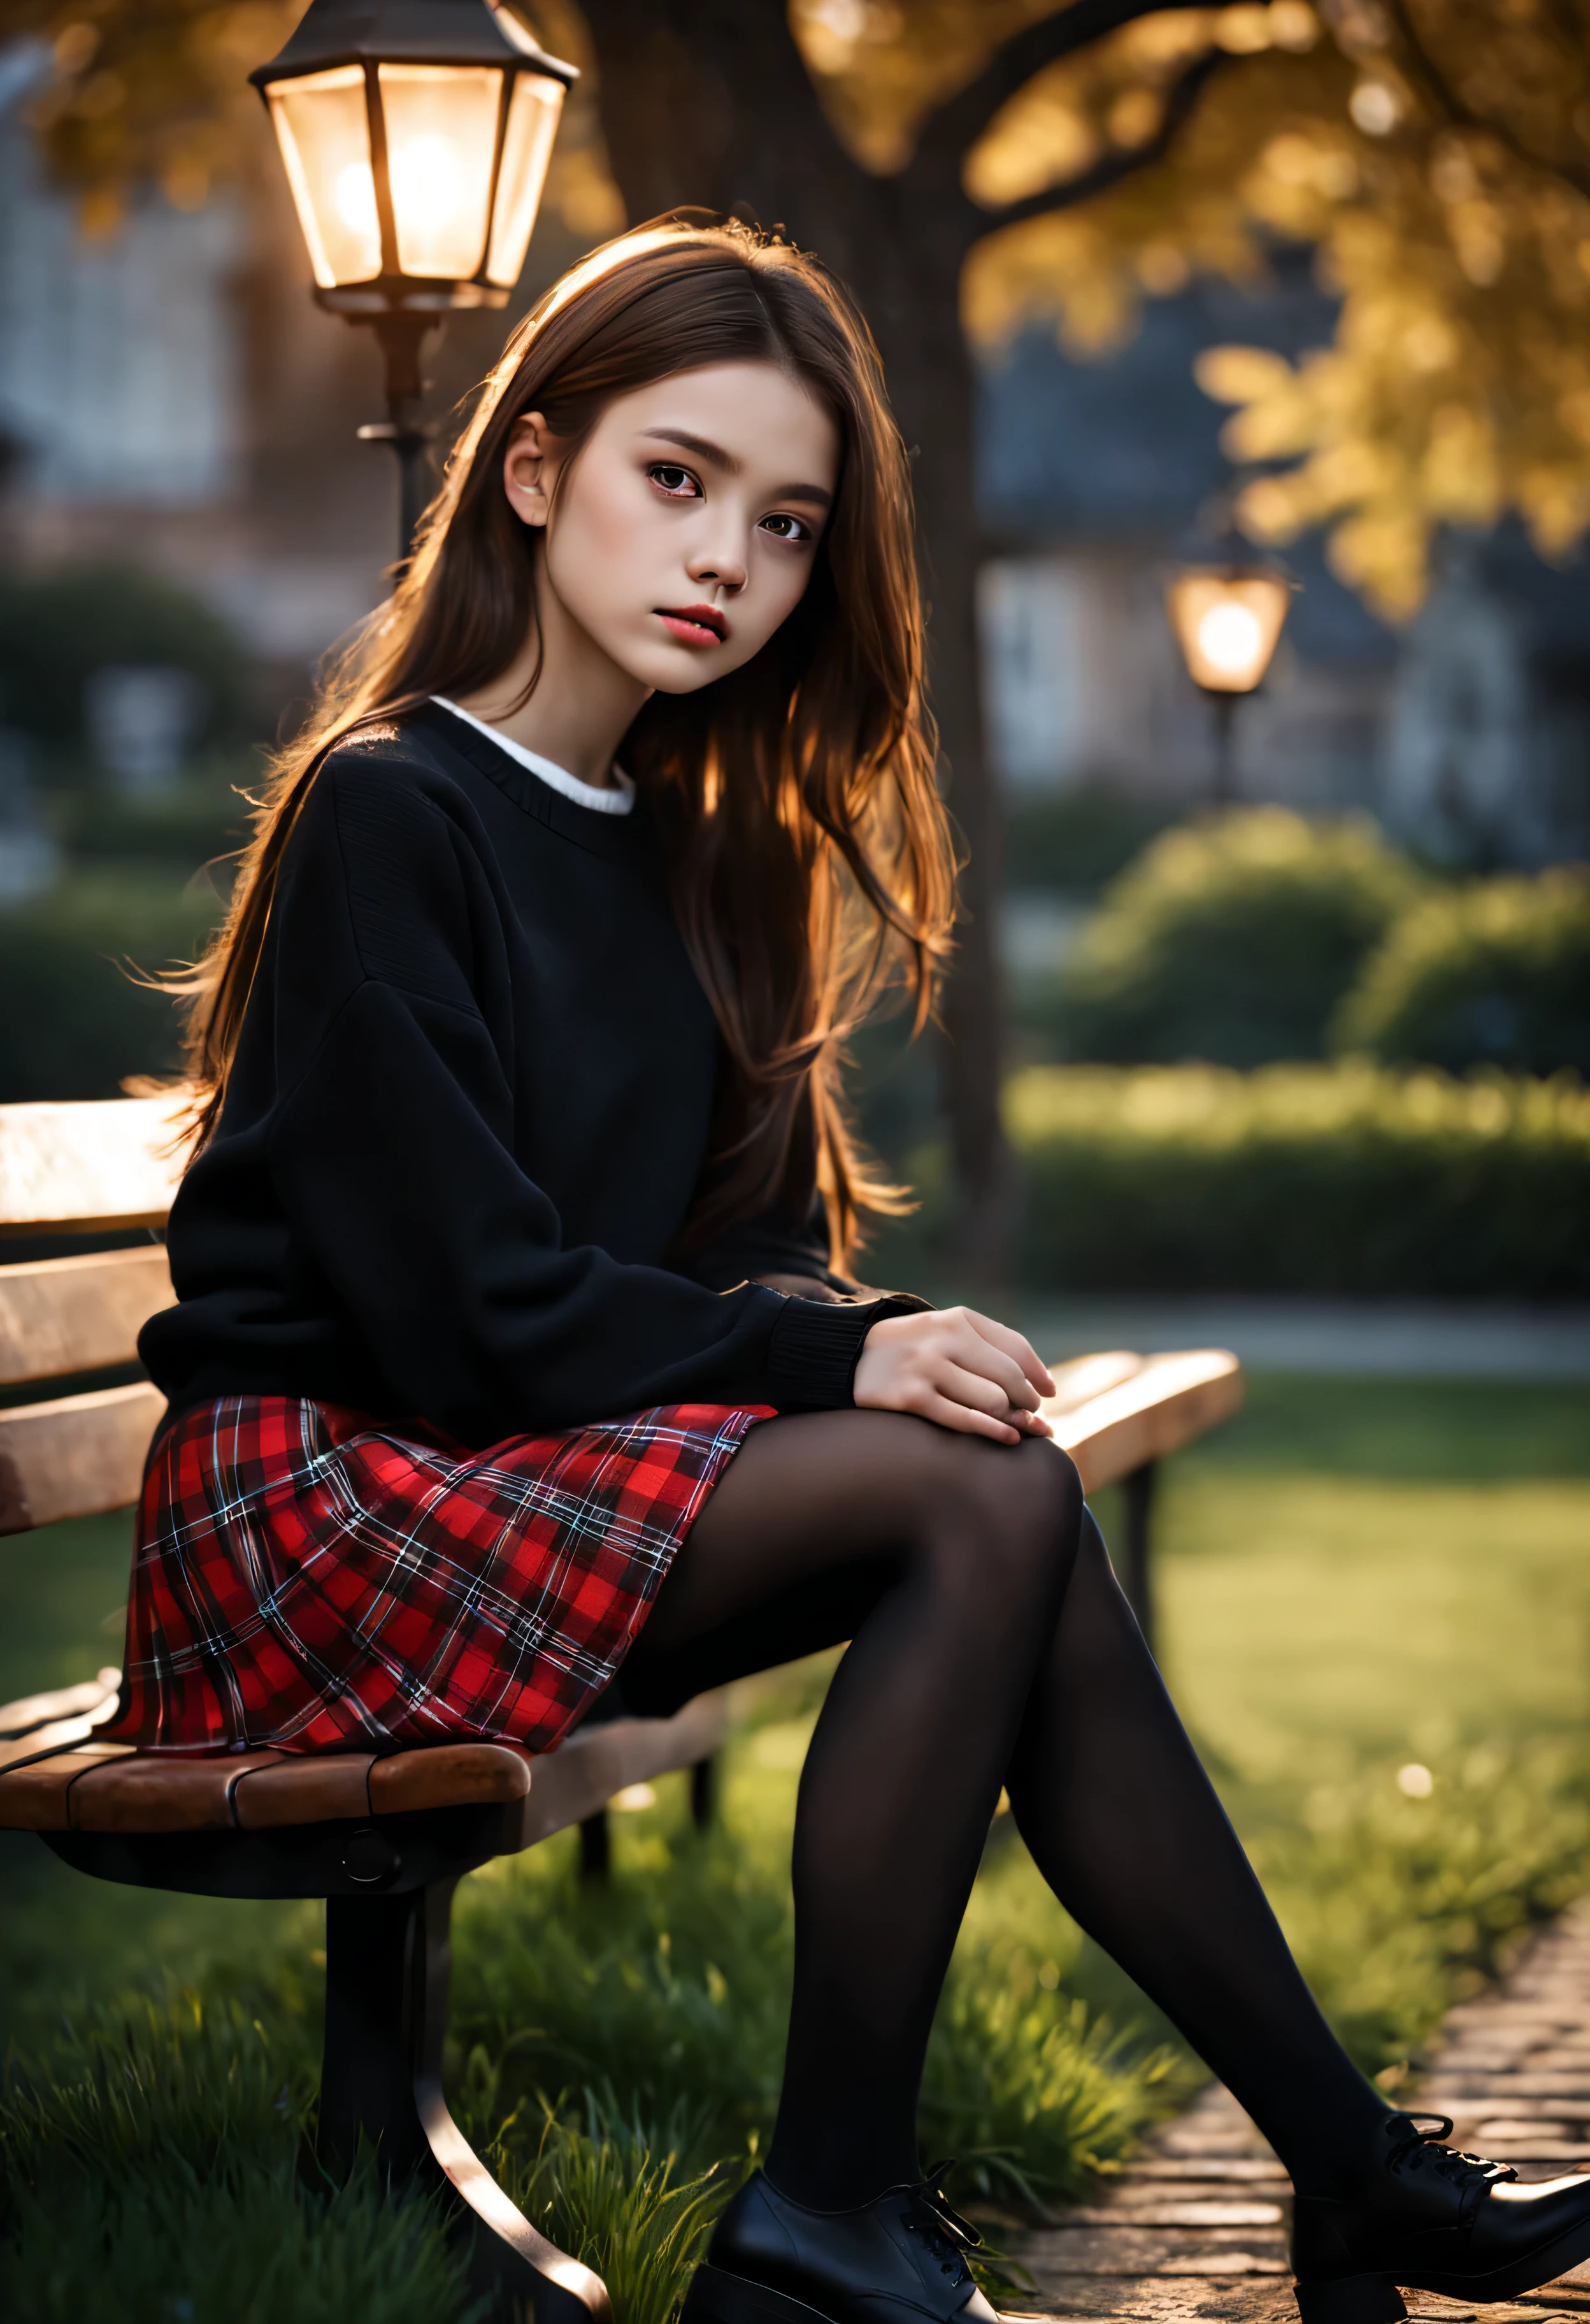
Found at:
[171, 397]
[1469, 733]
[98, 407]
[147, 378]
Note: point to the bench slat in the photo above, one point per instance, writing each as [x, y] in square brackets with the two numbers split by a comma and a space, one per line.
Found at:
[35, 1799]
[76, 1457]
[1160, 1407]
[579, 1777]
[93, 1699]
[111, 1789]
[61, 1315]
[144, 1794]
[76, 1168]
[52, 1734]
[1080, 1380]
[331, 1788]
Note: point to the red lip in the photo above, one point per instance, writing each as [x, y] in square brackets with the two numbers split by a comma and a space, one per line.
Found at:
[685, 619]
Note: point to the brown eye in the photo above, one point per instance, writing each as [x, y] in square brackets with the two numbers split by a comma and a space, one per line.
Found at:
[677, 482]
[786, 528]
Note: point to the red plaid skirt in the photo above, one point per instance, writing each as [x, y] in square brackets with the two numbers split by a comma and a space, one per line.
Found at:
[307, 1579]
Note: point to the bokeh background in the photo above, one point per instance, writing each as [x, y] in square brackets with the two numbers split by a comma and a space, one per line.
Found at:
[1302, 1074]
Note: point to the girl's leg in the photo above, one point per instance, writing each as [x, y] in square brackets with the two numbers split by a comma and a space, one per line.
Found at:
[989, 1645]
[944, 1560]
[1125, 1826]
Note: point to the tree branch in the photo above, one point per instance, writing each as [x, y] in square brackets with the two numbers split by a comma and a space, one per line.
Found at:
[1183, 96]
[960, 122]
[1463, 115]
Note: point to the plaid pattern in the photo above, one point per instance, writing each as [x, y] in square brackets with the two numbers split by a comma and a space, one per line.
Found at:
[307, 1579]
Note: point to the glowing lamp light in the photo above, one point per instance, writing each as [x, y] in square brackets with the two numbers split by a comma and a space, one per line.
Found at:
[1226, 604]
[415, 136]
[1227, 625]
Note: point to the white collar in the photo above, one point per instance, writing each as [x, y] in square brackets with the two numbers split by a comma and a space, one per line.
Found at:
[618, 801]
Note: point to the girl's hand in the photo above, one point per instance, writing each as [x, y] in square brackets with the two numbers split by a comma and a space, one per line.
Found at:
[958, 1368]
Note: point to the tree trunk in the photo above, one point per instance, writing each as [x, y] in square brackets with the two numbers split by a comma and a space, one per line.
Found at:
[708, 101]
[916, 317]
[972, 1049]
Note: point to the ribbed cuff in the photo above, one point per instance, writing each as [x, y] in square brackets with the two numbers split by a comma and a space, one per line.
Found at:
[815, 1347]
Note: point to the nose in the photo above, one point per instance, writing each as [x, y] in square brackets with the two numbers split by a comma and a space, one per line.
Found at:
[716, 565]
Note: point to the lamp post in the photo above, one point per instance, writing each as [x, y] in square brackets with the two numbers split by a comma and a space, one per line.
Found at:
[416, 136]
[1226, 604]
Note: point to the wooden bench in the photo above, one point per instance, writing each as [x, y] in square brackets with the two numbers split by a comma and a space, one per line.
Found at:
[384, 1838]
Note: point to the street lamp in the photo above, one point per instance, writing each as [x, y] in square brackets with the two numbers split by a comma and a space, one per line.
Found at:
[1226, 602]
[416, 136]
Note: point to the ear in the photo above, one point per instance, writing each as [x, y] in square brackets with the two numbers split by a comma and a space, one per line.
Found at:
[528, 468]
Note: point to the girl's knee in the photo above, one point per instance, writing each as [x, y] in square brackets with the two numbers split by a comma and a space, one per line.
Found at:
[1060, 1479]
[1007, 1513]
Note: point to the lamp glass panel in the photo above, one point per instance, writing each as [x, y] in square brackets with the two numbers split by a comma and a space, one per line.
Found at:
[532, 125]
[323, 129]
[1227, 625]
[441, 124]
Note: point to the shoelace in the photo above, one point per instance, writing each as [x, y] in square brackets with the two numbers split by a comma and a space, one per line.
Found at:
[943, 2230]
[1472, 2172]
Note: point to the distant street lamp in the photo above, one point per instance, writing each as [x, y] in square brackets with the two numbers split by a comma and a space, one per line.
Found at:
[1227, 604]
[416, 136]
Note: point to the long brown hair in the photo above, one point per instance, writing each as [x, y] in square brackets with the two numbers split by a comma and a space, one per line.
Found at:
[808, 852]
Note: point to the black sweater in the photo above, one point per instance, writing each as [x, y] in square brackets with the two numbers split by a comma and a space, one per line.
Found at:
[467, 1114]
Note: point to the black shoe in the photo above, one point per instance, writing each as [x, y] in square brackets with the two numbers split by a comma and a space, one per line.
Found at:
[896, 2260]
[1436, 2221]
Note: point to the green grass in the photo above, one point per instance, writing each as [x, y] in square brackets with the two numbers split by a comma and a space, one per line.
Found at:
[1359, 1576]
[150, 2173]
[1353, 1576]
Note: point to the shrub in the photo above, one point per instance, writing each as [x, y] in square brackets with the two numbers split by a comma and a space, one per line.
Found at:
[1328, 1179]
[1079, 838]
[1496, 973]
[204, 819]
[1232, 939]
[58, 629]
[73, 1023]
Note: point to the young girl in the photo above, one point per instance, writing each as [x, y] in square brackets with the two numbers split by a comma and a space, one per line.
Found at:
[513, 1345]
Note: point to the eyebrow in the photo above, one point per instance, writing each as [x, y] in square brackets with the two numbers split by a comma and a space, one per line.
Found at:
[704, 450]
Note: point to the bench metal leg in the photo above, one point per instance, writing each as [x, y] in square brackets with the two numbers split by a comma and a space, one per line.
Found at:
[387, 1965]
[595, 1847]
[1133, 1564]
[596, 1831]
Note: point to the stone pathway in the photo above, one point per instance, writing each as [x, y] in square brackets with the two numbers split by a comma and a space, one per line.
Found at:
[1196, 2227]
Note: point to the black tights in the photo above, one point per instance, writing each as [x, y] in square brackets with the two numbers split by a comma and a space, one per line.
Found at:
[989, 1645]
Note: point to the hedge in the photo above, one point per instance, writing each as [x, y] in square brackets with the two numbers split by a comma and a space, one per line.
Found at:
[1232, 939]
[1495, 974]
[74, 1023]
[1076, 840]
[1345, 1179]
[56, 630]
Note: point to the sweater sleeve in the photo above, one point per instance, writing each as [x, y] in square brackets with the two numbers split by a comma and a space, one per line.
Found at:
[391, 1152]
[772, 1243]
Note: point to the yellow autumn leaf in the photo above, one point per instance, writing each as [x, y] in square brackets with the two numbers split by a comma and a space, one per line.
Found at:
[1233, 374]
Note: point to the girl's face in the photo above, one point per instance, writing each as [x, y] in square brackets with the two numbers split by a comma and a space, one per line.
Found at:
[685, 530]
